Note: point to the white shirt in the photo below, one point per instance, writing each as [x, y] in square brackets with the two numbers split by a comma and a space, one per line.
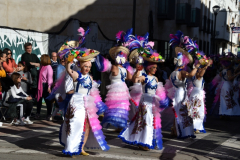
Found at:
[14, 91]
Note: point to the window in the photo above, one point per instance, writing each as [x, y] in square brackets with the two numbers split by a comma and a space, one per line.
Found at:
[166, 50]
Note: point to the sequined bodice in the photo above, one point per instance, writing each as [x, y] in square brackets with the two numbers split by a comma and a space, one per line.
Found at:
[83, 84]
[198, 83]
[176, 82]
[122, 74]
[150, 84]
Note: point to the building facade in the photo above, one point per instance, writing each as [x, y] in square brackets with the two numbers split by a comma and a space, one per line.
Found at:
[195, 19]
[58, 20]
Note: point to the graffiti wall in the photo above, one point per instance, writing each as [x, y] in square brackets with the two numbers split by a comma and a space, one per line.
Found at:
[15, 40]
[47, 43]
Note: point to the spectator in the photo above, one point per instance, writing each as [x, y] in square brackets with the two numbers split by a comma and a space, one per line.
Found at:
[2, 59]
[6, 81]
[44, 86]
[26, 77]
[16, 97]
[9, 65]
[54, 64]
[32, 62]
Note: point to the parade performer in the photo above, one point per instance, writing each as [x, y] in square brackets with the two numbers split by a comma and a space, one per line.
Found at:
[183, 126]
[145, 128]
[117, 98]
[236, 87]
[224, 99]
[81, 126]
[196, 103]
[183, 123]
[137, 44]
[136, 89]
[63, 88]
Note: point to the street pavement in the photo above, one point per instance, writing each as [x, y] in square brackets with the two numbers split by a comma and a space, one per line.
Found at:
[39, 141]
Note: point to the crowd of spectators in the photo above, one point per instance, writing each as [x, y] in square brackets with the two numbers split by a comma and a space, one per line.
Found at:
[26, 83]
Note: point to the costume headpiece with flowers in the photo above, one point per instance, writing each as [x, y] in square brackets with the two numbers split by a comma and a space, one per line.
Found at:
[202, 58]
[183, 44]
[75, 50]
[120, 52]
[141, 47]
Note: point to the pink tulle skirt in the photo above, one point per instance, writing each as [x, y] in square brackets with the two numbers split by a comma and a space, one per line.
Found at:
[117, 101]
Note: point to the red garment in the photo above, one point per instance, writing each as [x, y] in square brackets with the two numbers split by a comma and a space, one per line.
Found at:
[9, 67]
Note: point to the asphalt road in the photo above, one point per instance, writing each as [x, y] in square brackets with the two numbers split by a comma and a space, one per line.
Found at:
[40, 141]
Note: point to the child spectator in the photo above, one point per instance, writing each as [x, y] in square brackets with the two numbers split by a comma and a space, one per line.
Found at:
[26, 77]
[16, 97]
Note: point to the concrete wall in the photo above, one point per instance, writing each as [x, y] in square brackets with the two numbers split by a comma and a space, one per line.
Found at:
[51, 15]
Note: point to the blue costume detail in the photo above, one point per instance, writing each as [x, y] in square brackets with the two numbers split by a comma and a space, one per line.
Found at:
[82, 82]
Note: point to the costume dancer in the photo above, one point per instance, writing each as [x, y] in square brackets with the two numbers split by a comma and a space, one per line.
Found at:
[63, 88]
[81, 126]
[224, 91]
[183, 123]
[136, 45]
[183, 126]
[145, 128]
[117, 98]
[196, 103]
[236, 87]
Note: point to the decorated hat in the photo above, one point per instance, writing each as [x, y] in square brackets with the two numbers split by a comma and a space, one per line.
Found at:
[201, 58]
[152, 56]
[73, 49]
[183, 44]
[135, 57]
[84, 54]
[183, 51]
[69, 45]
[114, 51]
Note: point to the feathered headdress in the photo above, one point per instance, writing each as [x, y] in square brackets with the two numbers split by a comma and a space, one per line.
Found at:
[124, 37]
[138, 45]
[190, 45]
[183, 44]
[176, 39]
[69, 46]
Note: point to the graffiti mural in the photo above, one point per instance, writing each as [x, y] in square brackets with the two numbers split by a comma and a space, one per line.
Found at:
[15, 42]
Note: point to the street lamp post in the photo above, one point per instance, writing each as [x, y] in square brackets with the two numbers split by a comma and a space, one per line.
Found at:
[215, 11]
[232, 25]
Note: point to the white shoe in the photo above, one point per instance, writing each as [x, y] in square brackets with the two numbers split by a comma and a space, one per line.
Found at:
[18, 123]
[27, 121]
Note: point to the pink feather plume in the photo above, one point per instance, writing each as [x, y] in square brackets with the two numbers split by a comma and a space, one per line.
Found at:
[81, 31]
[118, 35]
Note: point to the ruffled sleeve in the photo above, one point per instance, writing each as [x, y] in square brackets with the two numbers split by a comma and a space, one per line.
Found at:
[162, 94]
[103, 64]
[98, 100]
[136, 93]
[128, 68]
[169, 89]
